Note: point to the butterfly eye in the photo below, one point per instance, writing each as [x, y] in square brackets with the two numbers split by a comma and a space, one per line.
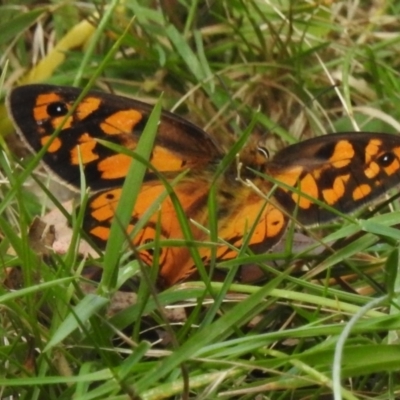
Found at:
[385, 159]
[57, 109]
[263, 151]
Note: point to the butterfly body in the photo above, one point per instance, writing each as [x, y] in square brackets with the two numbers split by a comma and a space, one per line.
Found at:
[343, 171]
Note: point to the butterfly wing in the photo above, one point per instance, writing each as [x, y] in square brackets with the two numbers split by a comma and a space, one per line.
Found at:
[175, 263]
[344, 171]
[38, 110]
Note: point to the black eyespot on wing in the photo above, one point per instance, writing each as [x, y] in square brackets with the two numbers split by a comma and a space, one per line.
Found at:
[57, 109]
[110, 196]
[386, 159]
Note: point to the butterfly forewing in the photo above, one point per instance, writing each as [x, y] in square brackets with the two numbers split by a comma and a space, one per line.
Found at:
[343, 171]
[38, 110]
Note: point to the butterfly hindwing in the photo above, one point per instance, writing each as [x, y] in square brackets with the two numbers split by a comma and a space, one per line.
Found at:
[163, 223]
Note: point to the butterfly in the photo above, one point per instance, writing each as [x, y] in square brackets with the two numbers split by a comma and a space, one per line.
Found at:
[308, 180]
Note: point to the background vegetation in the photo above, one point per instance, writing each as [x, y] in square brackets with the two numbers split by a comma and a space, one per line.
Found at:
[297, 69]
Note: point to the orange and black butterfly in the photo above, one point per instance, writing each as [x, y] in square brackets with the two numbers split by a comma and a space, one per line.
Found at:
[342, 171]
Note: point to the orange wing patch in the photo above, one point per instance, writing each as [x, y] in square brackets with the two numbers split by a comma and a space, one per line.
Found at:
[87, 107]
[121, 121]
[337, 191]
[342, 154]
[54, 146]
